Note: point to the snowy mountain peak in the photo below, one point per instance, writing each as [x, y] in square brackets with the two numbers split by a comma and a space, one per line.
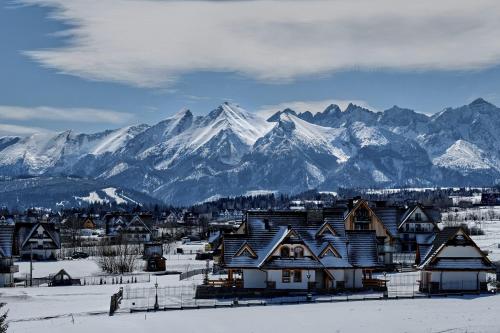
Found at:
[231, 150]
[464, 156]
[480, 102]
[276, 117]
[184, 112]
[332, 108]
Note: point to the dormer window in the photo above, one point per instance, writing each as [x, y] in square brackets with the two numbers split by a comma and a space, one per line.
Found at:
[298, 252]
[285, 252]
[246, 251]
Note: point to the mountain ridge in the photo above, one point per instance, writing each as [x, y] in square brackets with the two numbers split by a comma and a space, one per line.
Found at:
[186, 158]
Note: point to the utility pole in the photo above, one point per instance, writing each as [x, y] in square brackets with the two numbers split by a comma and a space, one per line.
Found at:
[31, 264]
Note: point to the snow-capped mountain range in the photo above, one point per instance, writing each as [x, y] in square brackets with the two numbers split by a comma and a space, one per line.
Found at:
[230, 151]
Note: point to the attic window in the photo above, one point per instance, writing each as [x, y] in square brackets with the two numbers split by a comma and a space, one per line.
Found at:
[298, 252]
[246, 251]
[285, 252]
[329, 251]
[327, 228]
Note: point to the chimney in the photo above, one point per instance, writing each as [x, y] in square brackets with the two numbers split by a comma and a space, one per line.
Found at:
[266, 224]
[350, 204]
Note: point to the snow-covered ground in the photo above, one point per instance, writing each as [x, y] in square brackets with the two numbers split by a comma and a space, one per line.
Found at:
[461, 314]
[75, 268]
[85, 308]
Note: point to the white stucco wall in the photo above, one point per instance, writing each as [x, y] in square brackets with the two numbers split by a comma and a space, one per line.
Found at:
[353, 278]
[254, 278]
[459, 252]
[275, 275]
[459, 281]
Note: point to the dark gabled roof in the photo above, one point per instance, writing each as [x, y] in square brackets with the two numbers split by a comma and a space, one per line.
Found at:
[27, 231]
[389, 216]
[441, 238]
[431, 214]
[363, 248]
[444, 238]
[137, 220]
[260, 240]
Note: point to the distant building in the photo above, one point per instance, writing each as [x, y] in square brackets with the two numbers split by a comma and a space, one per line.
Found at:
[134, 228]
[40, 240]
[490, 199]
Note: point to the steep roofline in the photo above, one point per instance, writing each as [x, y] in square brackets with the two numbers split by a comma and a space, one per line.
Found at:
[365, 203]
[432, 256]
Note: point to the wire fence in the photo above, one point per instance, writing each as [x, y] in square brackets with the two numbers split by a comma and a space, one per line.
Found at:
[91, 280]
[168, 296]
[188, 274]
[115, 279]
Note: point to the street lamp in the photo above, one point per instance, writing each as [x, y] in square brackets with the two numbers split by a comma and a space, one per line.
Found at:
[309, 296]
[386, 291]
[157, 306]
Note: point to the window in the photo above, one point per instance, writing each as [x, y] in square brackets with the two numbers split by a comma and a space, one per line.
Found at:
[285, 276]
[299, 252]
[246, 253]
[297, 276]
[285, 252]
[418, 217]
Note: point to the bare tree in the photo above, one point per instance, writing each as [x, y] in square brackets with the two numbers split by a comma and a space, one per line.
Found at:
[117, 258]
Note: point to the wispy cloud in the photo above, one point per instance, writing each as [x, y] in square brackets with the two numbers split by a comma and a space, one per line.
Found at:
[151, 43]
[17, 130]
[86, 115]
[312, 106]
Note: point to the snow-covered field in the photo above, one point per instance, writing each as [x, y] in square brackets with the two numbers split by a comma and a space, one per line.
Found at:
[462, 314]
[85, 308]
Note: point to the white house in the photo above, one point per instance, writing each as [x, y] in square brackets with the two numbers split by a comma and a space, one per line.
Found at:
[453, 263]
[40, 240]
[286, 251]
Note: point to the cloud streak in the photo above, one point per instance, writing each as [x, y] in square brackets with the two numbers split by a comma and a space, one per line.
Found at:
[86, 115]
[17, 130]
[152, 43]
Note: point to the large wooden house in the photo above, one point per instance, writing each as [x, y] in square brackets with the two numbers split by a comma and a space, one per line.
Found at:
[336, 247]
[291, 250]
[453, 263]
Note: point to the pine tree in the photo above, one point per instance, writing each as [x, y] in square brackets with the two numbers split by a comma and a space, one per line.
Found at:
[3, 320]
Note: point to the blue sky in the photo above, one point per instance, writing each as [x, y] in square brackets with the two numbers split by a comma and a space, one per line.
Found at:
[94, 64]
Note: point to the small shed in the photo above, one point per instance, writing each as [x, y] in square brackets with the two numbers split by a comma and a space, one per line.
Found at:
[156, 263]
[62, 278]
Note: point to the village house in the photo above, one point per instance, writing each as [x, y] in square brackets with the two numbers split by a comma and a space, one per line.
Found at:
[297, 251]
[7, 267]
[133, 228]
[39, 240]
[329, 248]
[453, 263]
